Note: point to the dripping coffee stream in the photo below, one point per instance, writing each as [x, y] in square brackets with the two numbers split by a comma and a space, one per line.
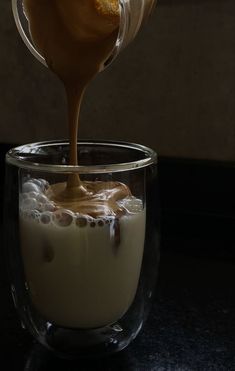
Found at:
[75, 40]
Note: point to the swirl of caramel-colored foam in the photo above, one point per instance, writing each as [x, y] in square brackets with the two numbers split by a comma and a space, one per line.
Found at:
[99, 200]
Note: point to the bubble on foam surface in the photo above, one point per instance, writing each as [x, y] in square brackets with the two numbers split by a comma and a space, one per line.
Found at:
[29, 186]
[44, 183]
[41, 198]
[37, 182]
[101, 223]
[49, 206]
[37, 185]
[29, 204]
[31, 214]
[33, 195]
[63, 217]
[81, 221]
[131, 204]
[35, 214]
[46, 217]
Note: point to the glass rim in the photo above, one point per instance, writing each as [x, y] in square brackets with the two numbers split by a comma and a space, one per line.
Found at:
[13, 157]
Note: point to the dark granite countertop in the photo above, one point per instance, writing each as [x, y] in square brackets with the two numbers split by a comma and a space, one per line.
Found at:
[191, 325]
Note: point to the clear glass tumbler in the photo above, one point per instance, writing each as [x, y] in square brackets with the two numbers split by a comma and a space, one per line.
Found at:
[134, 13]
[82, 284]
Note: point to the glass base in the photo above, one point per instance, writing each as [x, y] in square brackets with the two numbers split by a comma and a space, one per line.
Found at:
[81, 343]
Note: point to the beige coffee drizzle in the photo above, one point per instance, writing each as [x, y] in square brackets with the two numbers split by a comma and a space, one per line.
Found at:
[100, 199]
[76, 37]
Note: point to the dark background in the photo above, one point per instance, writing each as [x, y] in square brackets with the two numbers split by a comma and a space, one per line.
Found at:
[176, 82]
[172, 89]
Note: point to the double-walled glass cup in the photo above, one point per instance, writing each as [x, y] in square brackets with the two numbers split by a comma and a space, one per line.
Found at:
[134, 13]
[82, 284]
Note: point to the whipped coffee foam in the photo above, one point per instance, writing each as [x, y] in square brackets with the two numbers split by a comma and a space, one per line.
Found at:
[81, 271]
